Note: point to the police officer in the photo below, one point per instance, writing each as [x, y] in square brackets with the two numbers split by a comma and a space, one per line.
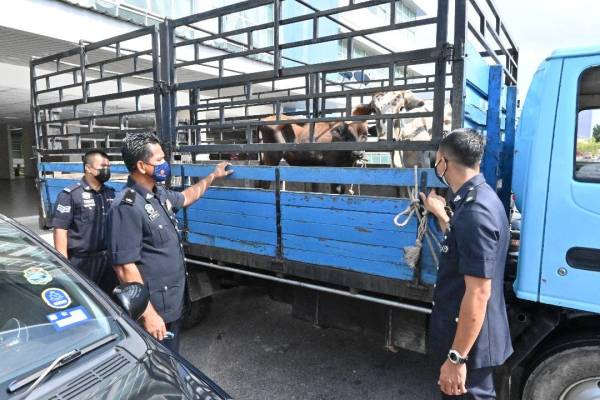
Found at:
[145, 240]
[79, 221]
[469, 333]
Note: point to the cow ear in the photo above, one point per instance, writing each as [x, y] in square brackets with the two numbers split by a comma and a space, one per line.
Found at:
[362, 109]
[411, 101]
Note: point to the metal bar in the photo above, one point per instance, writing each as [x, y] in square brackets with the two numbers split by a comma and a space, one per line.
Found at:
[509, 146]
[53, 57]
[104, 115]
[491, 157]
[120, 38]
[491, 52]
[215, 13]
[458, 64]
[383, 146]
[134, 54]
[156, 71]
[94, 99]
[121, 75]
[439, 85]
[493, 8]
[357, 296]
[82, 60]
[276, 43]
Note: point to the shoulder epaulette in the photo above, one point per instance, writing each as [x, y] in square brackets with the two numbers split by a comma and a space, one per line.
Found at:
[129, 197]
[471, 195]
[74, 186]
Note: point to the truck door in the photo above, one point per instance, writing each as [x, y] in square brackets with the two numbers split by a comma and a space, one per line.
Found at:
[571, 254]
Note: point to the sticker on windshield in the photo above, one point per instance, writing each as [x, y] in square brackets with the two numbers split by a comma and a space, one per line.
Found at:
[37, 276]
[56, 298]
[68, 318]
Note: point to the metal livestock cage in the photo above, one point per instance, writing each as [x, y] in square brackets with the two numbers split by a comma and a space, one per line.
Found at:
[206, 82]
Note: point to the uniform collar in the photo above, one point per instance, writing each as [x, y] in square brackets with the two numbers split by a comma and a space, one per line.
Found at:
[458, 198]
[142, 191]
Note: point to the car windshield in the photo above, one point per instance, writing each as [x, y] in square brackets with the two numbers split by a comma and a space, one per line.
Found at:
[45, 310]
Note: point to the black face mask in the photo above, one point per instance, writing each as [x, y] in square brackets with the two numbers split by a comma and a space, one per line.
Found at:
[103, 174]
[441, 177]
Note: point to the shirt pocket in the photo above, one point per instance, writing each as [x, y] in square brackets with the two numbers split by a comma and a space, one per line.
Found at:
[86, 214]
[166, 298]
[160, 235]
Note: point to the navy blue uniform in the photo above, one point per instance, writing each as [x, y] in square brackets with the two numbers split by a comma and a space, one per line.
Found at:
[83, 212]
[144, 231]
[476, 244]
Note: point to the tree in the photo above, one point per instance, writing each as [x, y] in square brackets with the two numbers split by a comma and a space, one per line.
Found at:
[596, 133]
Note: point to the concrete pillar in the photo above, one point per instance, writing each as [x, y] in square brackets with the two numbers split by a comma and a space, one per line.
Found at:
[28, 141]
[6, 160]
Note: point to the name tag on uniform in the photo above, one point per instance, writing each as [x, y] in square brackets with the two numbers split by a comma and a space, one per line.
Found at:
[88, 201]
[152, 214]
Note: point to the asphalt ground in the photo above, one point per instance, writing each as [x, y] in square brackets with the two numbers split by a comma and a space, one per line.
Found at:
[254, 349]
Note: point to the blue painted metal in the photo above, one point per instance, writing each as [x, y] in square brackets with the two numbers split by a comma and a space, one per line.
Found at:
[77, 167]
[236, 207]
[531, 173]
[227, 243]
[245, 235]
[239, 172]
[344, 202]
[509, 146]
[360, 176]
[233, 219]
[573, 207]
[491, 157]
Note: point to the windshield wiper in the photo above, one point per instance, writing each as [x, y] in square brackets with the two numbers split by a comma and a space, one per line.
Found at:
[38, 377]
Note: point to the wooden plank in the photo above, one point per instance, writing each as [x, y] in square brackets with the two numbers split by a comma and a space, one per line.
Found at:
[369, 220]
[491, 156]
[233, 220]
[78, 167]
[247, 236]
[397, 239]
[353, 264]
[240, 194]
[344, 202]
[360, 176]
[330, 247]
[236, 207]
[239, 171]
[215, 241]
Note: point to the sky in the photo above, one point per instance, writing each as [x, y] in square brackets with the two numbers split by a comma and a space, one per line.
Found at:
[540, 26]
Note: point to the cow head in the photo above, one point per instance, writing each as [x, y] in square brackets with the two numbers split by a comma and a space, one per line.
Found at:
[351, 132]
[393, 103]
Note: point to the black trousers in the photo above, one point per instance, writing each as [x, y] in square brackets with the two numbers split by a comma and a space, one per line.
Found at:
[480, 385]
[98, 268]
[173, 344]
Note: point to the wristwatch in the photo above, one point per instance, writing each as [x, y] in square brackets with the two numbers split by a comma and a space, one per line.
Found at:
[455, 357]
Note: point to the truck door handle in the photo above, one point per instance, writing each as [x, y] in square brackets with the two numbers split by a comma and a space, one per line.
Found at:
[584, 258]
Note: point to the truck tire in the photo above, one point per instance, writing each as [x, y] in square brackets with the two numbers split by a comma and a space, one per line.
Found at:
[572, 374]
[196, 312]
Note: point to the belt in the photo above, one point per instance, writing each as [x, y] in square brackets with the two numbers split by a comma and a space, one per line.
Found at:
[85, 254]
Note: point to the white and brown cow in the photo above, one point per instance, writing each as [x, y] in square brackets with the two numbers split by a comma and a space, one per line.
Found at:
[413, 129]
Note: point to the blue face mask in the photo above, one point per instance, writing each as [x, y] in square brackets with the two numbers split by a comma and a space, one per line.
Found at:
[162, 172]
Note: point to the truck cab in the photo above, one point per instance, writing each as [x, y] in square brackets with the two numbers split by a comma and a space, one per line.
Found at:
[556, 183]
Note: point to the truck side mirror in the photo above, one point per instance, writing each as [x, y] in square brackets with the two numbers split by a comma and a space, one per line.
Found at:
[133, 298]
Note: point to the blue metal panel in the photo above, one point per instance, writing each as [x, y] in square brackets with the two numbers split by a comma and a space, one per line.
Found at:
[366, 219]
[77, 167]
[359, 176]
[227, 243]
[232, 219]
[476, 70]
[236, 207]
[533, 143]
[475, 115]
[247, 236]
[491, 157]
[509, 145]
[240, 194]
[344, 202]
[239, 172]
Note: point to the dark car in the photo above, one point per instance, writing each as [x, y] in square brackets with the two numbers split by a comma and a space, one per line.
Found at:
[61, 338]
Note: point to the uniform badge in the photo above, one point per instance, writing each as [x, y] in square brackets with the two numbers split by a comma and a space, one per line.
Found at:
[152, 214]
[86, 195]
[444, 249]
[37, 276]
[56, 298]
[169, 205]
[63, 209]
[89, 203]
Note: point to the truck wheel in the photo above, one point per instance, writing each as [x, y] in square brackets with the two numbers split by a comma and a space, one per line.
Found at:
[572, 374]
[196, 312]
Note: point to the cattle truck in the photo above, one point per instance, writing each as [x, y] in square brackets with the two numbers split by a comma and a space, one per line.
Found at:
[205, 82]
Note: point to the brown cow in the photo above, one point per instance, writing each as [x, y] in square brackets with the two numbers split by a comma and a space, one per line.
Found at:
[324, 132]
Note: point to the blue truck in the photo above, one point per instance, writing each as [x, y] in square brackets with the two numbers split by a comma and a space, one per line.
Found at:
[205, 83]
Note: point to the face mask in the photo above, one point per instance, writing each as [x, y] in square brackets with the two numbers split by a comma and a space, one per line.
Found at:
[162, 172]
[103, 174]
[441, 177]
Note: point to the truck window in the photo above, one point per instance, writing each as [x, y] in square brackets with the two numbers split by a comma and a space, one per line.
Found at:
[587, 135]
